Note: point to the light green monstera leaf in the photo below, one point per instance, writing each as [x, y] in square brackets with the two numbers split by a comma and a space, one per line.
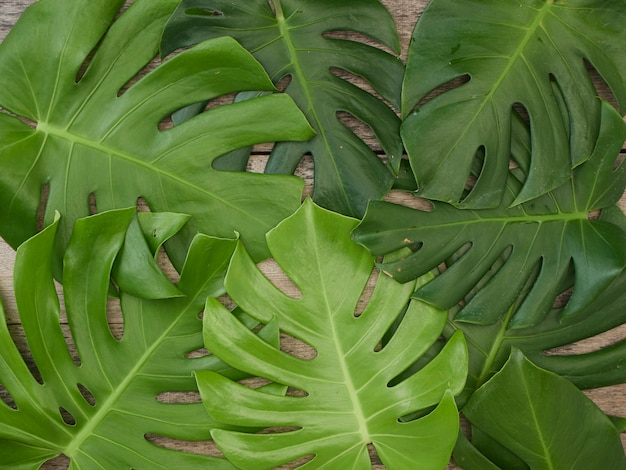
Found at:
[99, 407]
[82, 124]
[308, 41]
[531, 53]
[347, 397]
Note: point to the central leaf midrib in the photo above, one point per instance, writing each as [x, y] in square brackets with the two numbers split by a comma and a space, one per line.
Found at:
[64, 134]
[340, 353]
[538, 219]
[284, 30]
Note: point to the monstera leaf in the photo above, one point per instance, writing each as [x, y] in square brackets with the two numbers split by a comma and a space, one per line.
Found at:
[291, 39]
[489, 346]
[495, 256]
[97, 408]
[556, 425]
[96, 132]
[531, 53]
[350, 395]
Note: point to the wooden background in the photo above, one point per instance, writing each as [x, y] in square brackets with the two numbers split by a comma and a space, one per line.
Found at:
[406, 12]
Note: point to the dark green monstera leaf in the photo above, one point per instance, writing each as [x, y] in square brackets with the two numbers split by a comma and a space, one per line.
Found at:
[494, 256]
[489, 346]
[531, 53]
[350, 396]
[78, 121]
[529, 418]
[298, 39]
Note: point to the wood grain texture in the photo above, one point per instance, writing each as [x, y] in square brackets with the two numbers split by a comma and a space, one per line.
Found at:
[406, 12]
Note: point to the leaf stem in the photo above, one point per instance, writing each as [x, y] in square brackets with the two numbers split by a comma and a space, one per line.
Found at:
[278, 9]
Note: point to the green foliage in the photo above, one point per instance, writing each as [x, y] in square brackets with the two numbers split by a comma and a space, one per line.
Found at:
[351, 398]
[514, 52]
[87, 139]
[109, 391]
[556, 425]
[494, 256]
[292, 38]
[514, 226]
[490, 346]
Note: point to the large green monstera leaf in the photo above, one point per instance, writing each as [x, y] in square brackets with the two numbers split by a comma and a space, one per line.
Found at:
[98, 408]
[291, 39]
[531, 53]
[495, 255]
[348, 396]
[555, 425]
[96, 132]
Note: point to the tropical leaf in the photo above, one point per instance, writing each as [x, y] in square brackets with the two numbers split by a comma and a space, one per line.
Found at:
[98, 408]
[350, 396]
[489, 346]
[494, 256]
[531, 53]
[85, 139]
[556, 425]
[298, 39]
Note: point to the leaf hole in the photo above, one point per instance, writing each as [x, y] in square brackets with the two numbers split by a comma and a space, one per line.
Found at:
[296, 392]
[183, 397]
[357, 81]
[522, 112]
[67, 417]
[227, 301]
[360, 129]
[366, 295]
[279, 279]
[6, 398]
[115, 317]
[85, 65]
[205, 447]
[443, 88]
[561, 299]
[198, 353]
[296, 347]
[59, 462]
[603, 90]
[166, 123]
[142, 205]
[356, 36]
[25, 120]
[254, 382]
[591, 344]
[283, 83]
[188, 112]
[32, 366]
[87, 395]
[409, 199]
[297, 463]
[64, 326]
[476, 169]
[91, 203]
[146, 69]
[374, 457]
